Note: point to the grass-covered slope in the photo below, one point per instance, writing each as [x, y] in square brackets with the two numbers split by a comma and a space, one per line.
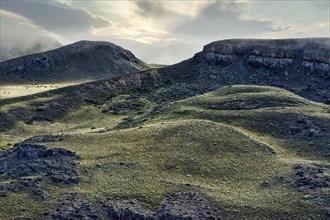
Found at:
[210, 158]
[237, 148]
[271, 112]
[190, 155]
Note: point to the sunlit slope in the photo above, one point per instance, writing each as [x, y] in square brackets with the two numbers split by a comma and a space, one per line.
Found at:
[262, 111]
[210, 158]
[13, 91]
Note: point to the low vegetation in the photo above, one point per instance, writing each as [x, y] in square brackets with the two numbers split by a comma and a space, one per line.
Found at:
[237, 147]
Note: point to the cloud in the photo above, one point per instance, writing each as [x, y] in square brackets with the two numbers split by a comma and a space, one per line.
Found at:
[167, 51]
[29, 39]
[279, 28]
[65, 2]
[60, 19]
[324, 24]
[151, 9]
[18, 18]
[187, 8]
[220, 20]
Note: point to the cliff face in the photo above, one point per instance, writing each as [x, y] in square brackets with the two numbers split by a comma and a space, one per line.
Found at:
[298, 55]
[84, 60]
[299, 65]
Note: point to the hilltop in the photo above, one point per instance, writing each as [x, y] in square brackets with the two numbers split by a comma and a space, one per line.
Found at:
[83, 60]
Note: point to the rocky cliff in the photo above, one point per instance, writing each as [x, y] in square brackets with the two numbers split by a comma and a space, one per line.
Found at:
[84, 60]
[297, 55]
[299, 65]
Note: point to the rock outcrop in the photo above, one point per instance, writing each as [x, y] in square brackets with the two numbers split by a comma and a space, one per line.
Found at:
[306, 55]
[20, 166]
[179, 206]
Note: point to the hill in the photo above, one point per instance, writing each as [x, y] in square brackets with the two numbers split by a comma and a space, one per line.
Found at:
[239, 151]
[178, 142]
[83, 60]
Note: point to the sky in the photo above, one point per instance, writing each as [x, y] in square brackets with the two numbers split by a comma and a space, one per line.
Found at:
[163, 32]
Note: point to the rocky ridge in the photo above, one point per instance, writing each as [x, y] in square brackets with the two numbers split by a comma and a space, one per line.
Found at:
[309, 55]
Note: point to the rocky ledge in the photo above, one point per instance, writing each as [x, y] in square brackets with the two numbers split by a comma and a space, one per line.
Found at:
[307, 55]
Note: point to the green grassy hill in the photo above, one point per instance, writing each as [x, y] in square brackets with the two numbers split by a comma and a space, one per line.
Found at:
[266, 111]
[243, 149]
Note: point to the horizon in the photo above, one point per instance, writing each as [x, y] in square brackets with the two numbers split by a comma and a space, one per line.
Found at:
[163, 32]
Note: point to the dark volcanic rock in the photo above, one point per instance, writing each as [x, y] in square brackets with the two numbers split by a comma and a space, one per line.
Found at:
[127, 210]
[308, 179]
[25, 161]
[187, 205]
[45, 138]
[33, 151]
[312, 180]
[306, 127]
[323, 202]
[7, 121]
[179, 206]
[73, 207]
[32, 185]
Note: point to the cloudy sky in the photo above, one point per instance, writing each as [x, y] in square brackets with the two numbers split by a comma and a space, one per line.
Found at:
[162, 32]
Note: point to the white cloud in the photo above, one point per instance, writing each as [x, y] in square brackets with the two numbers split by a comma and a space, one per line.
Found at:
[18, 18]
[65, 2]
[282, 27]
[117, 10]
[324, 24]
